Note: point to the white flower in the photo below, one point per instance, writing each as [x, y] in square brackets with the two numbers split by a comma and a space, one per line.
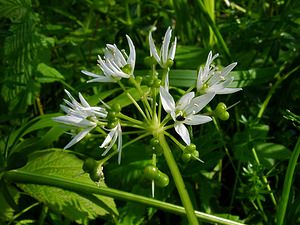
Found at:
[80, 115]
[115, 64]
[212, 80]
[114, 135]
[165, 53]
[185, 110]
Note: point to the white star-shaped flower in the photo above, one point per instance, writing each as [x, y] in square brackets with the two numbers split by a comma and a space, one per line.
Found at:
[185, 111]
[115, 64]
[165, 53]
[212, 80]
[114, 135]
[80, 115]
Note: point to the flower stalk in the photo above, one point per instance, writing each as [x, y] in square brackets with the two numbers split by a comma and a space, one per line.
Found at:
[184, 196]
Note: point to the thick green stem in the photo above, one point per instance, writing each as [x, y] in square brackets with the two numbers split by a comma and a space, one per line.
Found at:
[69, 184]
[184, 196]
[287, 184]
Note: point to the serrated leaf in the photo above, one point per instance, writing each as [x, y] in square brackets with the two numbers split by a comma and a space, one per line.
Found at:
[77, 207]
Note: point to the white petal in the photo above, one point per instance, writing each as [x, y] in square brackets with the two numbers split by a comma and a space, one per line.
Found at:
[173, 49]
[108, 138]
[119, 143]
[102, 79]
[78, 137]
[228, 90]
[183, 132]
[165, 46]
[74, 121]
[153, 50]
[199, 103]
[83, 101]
[132, 55]
[167, 100]
[227, 69]
[197, 119]
[185, 100]
[90, 74]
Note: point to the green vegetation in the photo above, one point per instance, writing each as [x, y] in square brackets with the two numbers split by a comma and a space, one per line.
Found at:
[241, 168]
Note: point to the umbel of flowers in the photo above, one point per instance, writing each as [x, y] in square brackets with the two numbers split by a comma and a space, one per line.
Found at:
[151, 122]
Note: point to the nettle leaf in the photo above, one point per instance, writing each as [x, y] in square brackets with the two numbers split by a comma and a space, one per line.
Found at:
[75, 206]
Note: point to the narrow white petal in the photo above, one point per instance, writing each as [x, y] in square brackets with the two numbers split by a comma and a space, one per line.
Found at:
[74, 121]
[102, 79]
[183, 132]
[228, 90]
[83, 101]
[108, 138]
[132, 55]
[167, 100]
[173, 49]
[153, 50]
[90, 74]
[218, 87]
[119, 143]
[165, 46]
[227, 69]
[197, 119]
[78, 137]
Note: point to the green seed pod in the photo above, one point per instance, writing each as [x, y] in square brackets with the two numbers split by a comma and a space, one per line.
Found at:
[150, 61]
[156, 83]
[162, 180]
[220, 111]
[195, 154]
[111, 115]
[156, 146]
[126, 69]
[116, 107]
[96, 175]
[224, 116]
[186, 157]
[190, 148]
[89, 165]
[151, 172]
[112, 124]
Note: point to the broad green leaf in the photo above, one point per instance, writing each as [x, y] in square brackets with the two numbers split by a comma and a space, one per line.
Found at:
[48, 74]
[77, 207]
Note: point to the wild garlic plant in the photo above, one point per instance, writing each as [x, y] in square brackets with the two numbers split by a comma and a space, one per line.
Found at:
[160, 111]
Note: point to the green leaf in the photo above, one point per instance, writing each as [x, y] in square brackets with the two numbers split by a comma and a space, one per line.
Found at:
[49, 74]
[187, 78]
[75, 206]
[124, 100]
[7, 210]
[267, 153]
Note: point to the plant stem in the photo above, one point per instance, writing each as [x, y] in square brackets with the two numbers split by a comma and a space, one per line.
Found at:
[287, 184]
[19, 176]
[265, 180]
[184, 196]
[273, 89]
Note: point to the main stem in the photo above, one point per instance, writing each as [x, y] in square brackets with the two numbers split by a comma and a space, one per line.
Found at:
[184, 196]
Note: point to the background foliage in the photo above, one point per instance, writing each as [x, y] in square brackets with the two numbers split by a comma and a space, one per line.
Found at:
[44, 46]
